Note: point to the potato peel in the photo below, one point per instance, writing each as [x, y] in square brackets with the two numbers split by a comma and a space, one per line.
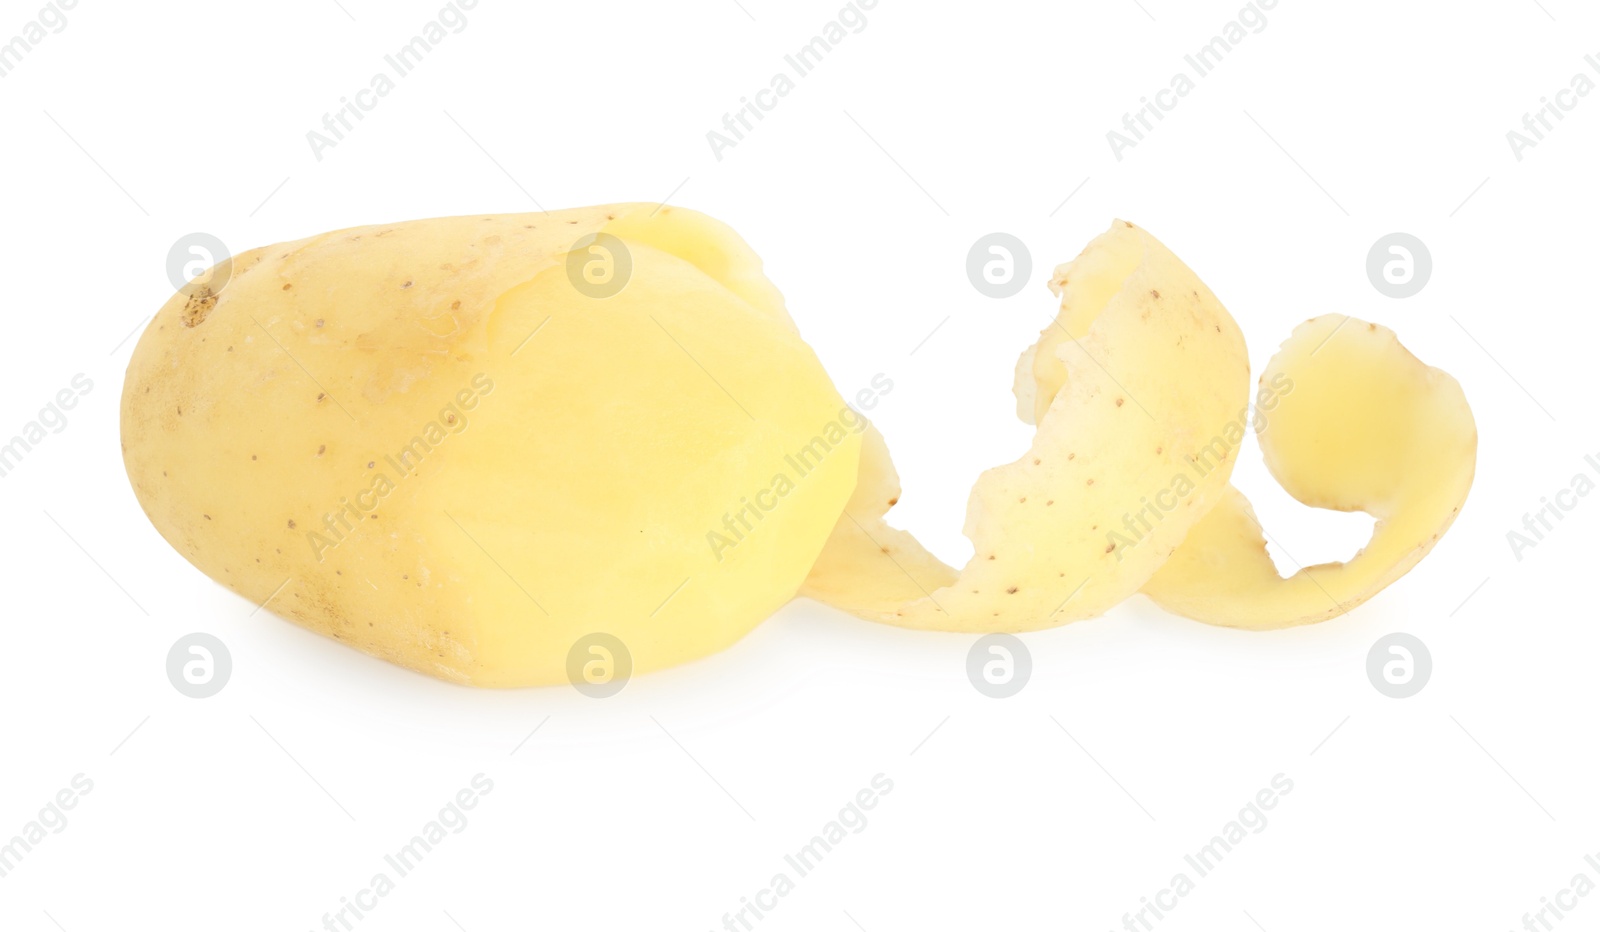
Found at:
[1349, 420]
[1366, 427]
[1117, 424]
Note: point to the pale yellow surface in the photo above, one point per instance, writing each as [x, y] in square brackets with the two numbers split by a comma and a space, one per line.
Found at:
[1351, 421]
[604, 441]
[1140, 372]
[1366, 427]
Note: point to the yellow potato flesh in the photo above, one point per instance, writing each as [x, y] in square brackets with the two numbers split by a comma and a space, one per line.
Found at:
[540, 464]
[1366, 427]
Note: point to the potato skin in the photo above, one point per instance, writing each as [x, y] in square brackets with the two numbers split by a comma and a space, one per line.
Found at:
[421, 440]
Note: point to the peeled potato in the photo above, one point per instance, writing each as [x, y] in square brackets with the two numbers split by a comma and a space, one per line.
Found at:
[426, 441]
[472, 446]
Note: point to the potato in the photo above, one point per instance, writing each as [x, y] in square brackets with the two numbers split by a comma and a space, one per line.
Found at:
[521, 449]
[427, 441]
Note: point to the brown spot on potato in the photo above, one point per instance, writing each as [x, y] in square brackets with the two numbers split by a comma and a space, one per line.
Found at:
[291, 524]
[198, 307]
[1011, 591]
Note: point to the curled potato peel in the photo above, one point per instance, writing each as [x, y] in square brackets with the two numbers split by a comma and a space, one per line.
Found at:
[1367, 427]
[1348, 420]
[428, 441]
[1115, 425]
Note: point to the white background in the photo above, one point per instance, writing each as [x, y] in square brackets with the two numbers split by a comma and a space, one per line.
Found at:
[1139, 735]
